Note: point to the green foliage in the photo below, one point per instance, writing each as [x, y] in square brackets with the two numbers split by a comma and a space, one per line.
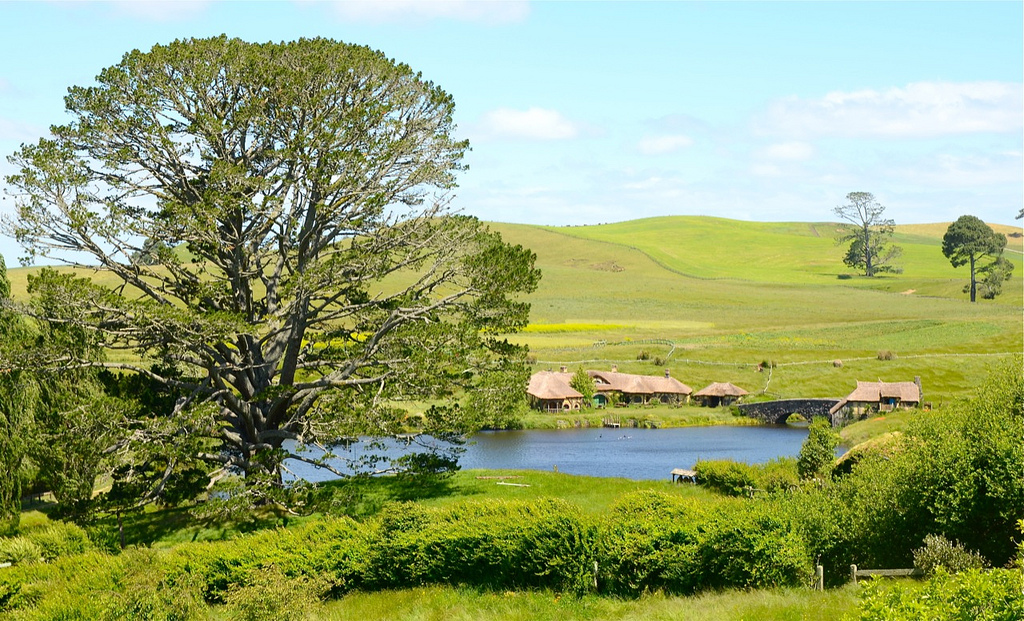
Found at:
[582, 383]
[320, 206]
[994, 275]
[737, 479]
[269, 595]
[939, 552]
[870, 248]
[725, 476]
[752, 549]
[140, 592]
[973, 595]
[19, 550]
[60, 539]
[818, 453]
[969, 240]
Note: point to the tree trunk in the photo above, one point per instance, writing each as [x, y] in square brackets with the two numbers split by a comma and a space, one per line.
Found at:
[869, 270]
[120, 529]
[974, 281]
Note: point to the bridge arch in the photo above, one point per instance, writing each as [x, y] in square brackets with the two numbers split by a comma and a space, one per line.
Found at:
[776, 412]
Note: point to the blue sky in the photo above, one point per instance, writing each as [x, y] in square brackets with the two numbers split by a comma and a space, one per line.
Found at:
[590, 112]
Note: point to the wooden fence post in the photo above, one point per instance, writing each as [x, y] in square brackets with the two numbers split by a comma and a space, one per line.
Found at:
[595, 576]
[853, 574]
[819, 578]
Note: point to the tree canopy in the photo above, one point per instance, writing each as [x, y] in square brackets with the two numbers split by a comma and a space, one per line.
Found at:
[277, 219]
[967, 242]
[870, 248]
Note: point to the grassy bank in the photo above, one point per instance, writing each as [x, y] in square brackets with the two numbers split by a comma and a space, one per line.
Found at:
[437, 603]
[659, 416]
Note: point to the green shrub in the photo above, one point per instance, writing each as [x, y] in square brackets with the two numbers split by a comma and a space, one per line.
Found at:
[750, 549]
[142, 593]
[270, 595]
[19, 550]
[738, 479]
[648, 543]
[818, 453]
[495, 544]
[60, 539]
[974, 595]
[725, 476]
[939, 552]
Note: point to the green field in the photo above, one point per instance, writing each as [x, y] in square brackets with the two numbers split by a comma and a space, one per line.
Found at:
[710, 298]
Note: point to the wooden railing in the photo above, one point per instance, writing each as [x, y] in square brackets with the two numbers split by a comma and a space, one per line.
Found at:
[890, 573]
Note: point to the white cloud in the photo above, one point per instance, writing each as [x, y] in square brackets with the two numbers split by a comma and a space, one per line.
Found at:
[790, 151]
[662, 145]
[944, 170]
[531, 124]
[919, 110]
[484, 11]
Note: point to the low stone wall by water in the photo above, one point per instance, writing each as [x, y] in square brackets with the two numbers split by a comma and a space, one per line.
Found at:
[776, 412]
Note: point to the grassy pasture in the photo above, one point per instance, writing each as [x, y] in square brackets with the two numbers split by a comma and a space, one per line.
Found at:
[719, 296]
[727, 295]
[430, 603]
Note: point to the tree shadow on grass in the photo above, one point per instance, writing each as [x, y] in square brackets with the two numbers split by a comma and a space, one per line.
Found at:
[362, 497]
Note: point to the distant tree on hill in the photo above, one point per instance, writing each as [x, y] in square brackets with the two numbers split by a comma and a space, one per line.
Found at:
[870, 250]
[968, 241]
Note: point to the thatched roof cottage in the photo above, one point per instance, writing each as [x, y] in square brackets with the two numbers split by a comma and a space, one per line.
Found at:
[881, 396]
[639, 389]
[719, 393]
[552, 391]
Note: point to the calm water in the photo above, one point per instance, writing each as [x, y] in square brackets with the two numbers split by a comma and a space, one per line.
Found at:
[629, 453]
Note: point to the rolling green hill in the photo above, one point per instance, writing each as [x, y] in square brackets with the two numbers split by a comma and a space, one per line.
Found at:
[709, 299]
[718, 297]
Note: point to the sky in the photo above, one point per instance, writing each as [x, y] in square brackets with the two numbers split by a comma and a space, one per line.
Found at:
[593, 112]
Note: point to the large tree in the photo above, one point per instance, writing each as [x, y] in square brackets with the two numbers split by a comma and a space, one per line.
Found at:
[969, 241]
[870, 238]
[275, 218]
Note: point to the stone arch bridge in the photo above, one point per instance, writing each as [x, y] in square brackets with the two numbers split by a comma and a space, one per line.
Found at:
[776, 412]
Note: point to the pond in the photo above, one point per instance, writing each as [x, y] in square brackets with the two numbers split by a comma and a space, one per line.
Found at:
[629, 453]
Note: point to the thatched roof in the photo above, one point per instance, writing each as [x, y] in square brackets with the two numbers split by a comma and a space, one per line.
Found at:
[875, 392]
[549, 385]
[631, 384]
[721, 389]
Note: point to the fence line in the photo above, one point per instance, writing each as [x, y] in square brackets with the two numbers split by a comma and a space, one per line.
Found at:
[747, 364]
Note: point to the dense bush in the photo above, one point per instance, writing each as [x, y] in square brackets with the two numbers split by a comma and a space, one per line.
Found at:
[939, 552]
[657, 542]
[974, 595]
[737, 478]
[818, 453]
[725, 476]
[956, 472]
[493, 544]
[60, 539]
[648, 543]
[751, 549]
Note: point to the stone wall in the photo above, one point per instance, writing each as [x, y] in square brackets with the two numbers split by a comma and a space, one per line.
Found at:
[776, 412]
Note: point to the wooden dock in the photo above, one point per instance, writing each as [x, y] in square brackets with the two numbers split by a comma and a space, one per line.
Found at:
[679, 475]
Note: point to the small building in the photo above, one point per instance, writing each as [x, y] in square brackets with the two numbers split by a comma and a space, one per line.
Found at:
[551, 392]
[719, 393]
[631, 389]
[880, 397]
